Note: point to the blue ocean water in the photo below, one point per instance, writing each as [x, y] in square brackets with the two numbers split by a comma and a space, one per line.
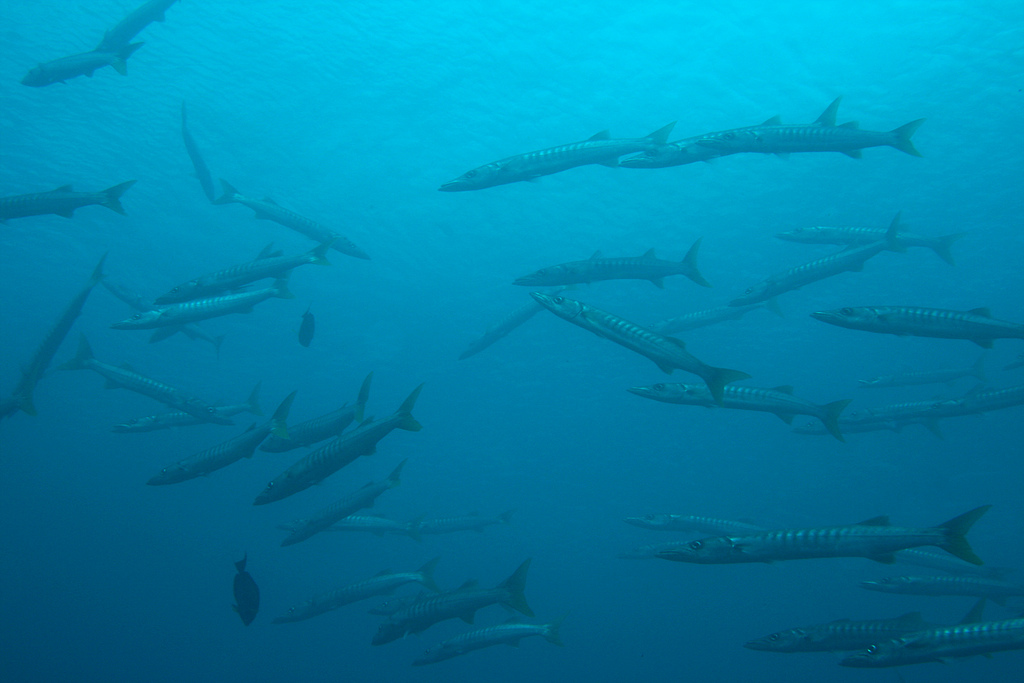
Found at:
[353, 113]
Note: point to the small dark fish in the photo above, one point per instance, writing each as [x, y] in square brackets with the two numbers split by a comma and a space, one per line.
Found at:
[247, 593]
[307, 328]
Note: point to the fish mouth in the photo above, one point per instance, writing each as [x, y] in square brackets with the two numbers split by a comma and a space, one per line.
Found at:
[451, 186]
[710, 142]
[826, 316]
[741, 301]
[639, 391]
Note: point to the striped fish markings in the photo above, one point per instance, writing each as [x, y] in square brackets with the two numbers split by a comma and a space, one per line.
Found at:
[136, 20]
[331, 457]
[939, 644]
[597, 268]
[176, 315]
[779, 401]
[139, 303]
[874, 539]
[710, 316]
[62, 69]
[994, 589]
[976, 325]
[905, 379]
[124, 377]
[235, 277]
[471, 522]
[301, 529]
[839, 635]
[61, 202]
[852, 259]
[383, 583]
[462, 603]
[198, 163]
[677, 153]
[600, 148]
[651, 550]
[774, 137]
[22, 397]
[509, 633]
[269, 210]
[324, 427]
[231, 451]
[379, 526]
[984, 401]
[152, 423]
[704, 525]
[668, 353]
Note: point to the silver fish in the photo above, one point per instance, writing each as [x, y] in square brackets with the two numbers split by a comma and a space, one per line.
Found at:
[152, 423]
[700, 524]
[976, 325]
[509, 633]
[905, 379]
[597, 268]
[175, 315]
[839, 635]
[136, 20]
[62, 69]
[995, 590]
[324, 427]
[62, 201]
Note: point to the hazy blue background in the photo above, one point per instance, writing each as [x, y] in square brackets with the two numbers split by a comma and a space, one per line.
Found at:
[353, 113]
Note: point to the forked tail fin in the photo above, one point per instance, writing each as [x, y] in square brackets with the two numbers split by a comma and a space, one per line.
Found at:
[515, 585]
[427, 575]
[112, 200]
[901, 137]
[956, 530]
[278, 420]
[408, 422]
[363, 397]
[252, 404]
[830, 418]
[943, 246]
[551, 631]
[690, 265]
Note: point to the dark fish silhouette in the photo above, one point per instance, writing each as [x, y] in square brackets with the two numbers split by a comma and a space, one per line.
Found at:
[247, 593]
[307, 328]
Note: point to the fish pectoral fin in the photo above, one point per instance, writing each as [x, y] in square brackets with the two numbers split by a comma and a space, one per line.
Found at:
[853, 153]
[66, 213]
[658, 282]
[667, 369]
[611, 163]
[785, 417]
[983, 343]
[888, 558]
[603, 135]
[467, 617]
[983, 312]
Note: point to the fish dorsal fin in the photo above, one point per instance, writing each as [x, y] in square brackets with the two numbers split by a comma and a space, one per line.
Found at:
[773, 121]
[269, 200]
[650, 254]
[596, 255]
[983, 312]
[677, 342]
[783, 389]
[603, 135]
[828, 117]
[470, 584]
[63, 188]
[849, 124]
[875, 521]
[976, 615]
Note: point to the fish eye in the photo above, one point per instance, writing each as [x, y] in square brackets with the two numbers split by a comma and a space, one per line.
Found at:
[542, 271]
[773, 637]
[175, 290]
[871, 649]
[211, 410]
[846, 311]
[163, 470]
[470, 174]
[650, 517]
[659, 387]
[133, 420]
[750, 290]
[136, 316]
[558, 300]
[729, 136]
[270, 485]
[696, 545]
[799, 230]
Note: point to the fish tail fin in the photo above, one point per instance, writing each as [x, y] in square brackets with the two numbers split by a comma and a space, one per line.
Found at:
[281, 290]
[112, 200]
[506, 516]
[278, 420]
[363, 397]
[319, 254]
[892, 234]
[427, 575]
[26, 403]
[408, 422]
[942, 246]
[229, 193]
[82, 356]
[240, 566]
[660, 136]
[514, 586]
[830, 418]
[717, 379]
[901, 137]
[551, 633]
[97, 272]
[690, 265]
[956, 530]
[414, 528]
[393, 479]
[252, 404]
[120, 59]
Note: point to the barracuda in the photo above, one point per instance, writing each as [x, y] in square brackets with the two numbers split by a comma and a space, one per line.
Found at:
[874, 539]
[302, 529]
[269, 210]
[470, 522]
[136, 20]
[598, 149]
[852, 259]
[704, 525]
[995, 590]
[374, 524]
[139, 303]
[503, 327]
[384, 583]
[198, 163]
[677, 153]
[779, 401]
[152, 423]
[668, 353]
[711, 316]
[597, 268]
[62, 69]
[461, 603]
[324, 427]
[976, 325]
[509, 633]
[203, 309]
[985, 401]
[839, 635]
[126, 378]
[61, 202]
[939, 644]
[774, 137]
[328, 459]
[651, 550]
[224, 454]
[947, 563]
[906, 379]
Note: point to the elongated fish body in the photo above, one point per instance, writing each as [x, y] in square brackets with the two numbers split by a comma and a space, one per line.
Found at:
[873, 539]
[852, 259]
[378, 526]
[328, 459]
[985, 401]
[840, 635]
[857, 427]
[152, 423]
[136, 20]
[598, 149]
[234, 277]
[226, 453]
[976, 586]
[503, 327]
[268, 209]
[906, 379]
[198, 163]
[774, 137]
[651, 550]
[203, 309]
[668, 353]
[324, 427]
[383, 583]
[82, 64]
[509, 633]
[461, 603]
[139, 303]
[397, 603]
[937, 645]
[976, 325]
[62, 202]
[779, 401]
[247, 593]
[698, 319]
[894, 417]
[678, 153]
[946, 563]
[472, 522]
[704, 525]
[363, 498]
[597, 268]
[126, 378]
[855, 237]
[22, 396]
